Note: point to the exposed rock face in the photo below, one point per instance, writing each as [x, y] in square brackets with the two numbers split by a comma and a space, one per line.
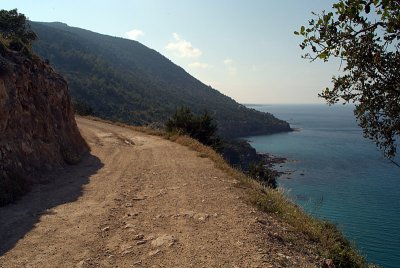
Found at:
[38, 131]
[240, 154]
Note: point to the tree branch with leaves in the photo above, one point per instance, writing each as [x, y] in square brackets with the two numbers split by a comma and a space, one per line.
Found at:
[365, 36]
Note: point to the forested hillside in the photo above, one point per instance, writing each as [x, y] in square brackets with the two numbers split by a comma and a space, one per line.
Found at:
[125, 81]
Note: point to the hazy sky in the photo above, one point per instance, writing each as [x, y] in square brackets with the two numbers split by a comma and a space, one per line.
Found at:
[244, 48]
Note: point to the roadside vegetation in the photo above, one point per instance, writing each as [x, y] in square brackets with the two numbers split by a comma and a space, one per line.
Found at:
[16, 33]
[201, 128]
[204, 129]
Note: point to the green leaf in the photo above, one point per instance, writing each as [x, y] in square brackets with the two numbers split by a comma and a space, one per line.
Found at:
[324, 55]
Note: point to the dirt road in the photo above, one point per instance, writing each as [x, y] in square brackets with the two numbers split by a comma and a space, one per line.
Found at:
[137, 201]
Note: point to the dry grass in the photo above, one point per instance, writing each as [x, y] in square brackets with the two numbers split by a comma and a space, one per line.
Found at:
[331, 242]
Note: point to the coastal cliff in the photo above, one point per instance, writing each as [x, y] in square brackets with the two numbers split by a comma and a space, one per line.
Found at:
[37, 124]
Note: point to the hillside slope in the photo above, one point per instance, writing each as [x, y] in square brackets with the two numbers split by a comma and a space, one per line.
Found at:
[143, 201]
[38, 131]
[123, 80]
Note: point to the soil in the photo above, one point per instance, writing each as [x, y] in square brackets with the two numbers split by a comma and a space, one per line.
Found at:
[143, 201]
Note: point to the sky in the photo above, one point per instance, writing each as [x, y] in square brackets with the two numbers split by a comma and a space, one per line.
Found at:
[246, 49]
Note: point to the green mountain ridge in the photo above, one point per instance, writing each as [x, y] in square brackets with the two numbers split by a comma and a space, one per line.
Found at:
[125, 81]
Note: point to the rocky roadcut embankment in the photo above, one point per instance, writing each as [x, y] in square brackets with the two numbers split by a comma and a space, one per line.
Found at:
[143, 201]
[37, 125]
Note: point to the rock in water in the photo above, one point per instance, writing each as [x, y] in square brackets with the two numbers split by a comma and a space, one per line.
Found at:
[38, 131]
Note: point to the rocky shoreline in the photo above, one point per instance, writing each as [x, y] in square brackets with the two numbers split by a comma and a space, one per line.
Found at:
[272, 160]
[240, 154]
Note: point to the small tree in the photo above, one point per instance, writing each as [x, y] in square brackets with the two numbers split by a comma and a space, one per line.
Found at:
[205, 130]
[365, 36]
[201, 128]
[15, 28]
[181, 121]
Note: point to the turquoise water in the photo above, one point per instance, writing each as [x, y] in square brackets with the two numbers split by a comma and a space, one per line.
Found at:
[336, 174]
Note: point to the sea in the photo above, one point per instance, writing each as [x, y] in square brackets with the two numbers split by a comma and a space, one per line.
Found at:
[336, 174]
